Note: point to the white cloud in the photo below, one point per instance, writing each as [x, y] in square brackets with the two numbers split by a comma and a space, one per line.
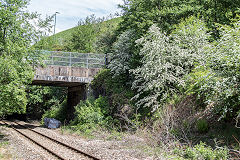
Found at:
[71, 11]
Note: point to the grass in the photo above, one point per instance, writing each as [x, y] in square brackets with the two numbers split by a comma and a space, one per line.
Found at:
[207, 139]
[4, 153]
[224, 134]
[66, 35]
[62, 39]
[115, 135]
[150, 149]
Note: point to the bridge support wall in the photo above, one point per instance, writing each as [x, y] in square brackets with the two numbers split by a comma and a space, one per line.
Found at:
[75, 95]
[75, 78]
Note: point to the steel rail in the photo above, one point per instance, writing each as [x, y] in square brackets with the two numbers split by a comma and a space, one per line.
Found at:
[61, 143]
[32, 140]
[54, 140]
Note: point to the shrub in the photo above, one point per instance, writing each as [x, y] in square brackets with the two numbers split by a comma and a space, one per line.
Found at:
[217, 82]
[117, 94]
[167, 60]
[90, 115]
[202, 151]
[121, 57]
[102, 83]
[57, 112]
[202, 126]
[14, 75]
[42, 98]
[107, 36]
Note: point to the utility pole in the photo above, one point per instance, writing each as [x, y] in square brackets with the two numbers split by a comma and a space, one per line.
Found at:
[55, 22]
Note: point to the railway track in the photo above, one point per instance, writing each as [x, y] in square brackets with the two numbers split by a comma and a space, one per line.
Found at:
[26, 132]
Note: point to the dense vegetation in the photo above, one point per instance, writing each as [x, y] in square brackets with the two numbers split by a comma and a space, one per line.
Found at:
[173, 72]
[17, 34]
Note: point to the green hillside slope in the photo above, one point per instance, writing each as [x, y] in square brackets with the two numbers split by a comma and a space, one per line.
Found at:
[82, 38]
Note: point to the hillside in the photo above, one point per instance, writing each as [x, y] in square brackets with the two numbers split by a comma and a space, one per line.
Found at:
[87, 34]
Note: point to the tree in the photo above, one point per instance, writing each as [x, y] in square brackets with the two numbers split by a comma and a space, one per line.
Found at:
[217, 82]
[17, 34]
[43, 98]
[85, 35]
[142, 14]
[121, 57]
[167, 60]
[105, 40]
[93, 34]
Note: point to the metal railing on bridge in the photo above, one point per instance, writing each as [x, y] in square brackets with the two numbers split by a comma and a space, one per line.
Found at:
[84, 60]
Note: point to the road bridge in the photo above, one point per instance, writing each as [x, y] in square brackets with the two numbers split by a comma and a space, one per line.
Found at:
[68, 69]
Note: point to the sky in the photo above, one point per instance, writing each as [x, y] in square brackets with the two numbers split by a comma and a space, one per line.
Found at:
[71, 11]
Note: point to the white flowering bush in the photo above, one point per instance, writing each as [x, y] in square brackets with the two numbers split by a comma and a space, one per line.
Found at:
[167, 60]
[121, 56]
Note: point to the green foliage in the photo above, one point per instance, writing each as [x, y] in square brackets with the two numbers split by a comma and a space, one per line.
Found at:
[167, 60]
[13, 78]
[122, 55]
[102, 103]
[46, 43]
[119, 98]
[58, 111]
[112, 87]
[217, 81]
[105, 84]
[104, 41]
[84, 36]
[202, 126]
[202, 151]
[90, 115]
[17, 34]
[42, 98]
[90, 36]
[102, 82]
[142, 14]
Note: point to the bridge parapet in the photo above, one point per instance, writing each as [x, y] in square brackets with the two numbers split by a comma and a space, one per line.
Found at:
[68, 69]
[73, 59]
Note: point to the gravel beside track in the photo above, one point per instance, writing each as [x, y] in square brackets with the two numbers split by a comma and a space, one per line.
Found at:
[101, 149]
[58, 150]
[55, 141]
[107, 150]
[22, 149]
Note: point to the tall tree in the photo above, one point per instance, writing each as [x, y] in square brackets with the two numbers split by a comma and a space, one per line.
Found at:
[141, 14]
[85, 35]
[17, 34]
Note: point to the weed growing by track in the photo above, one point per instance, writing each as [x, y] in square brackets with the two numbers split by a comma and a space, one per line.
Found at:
[4, 152]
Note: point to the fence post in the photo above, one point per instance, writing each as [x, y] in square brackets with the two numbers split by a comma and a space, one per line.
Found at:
[52, 58]
[106, 59]
[87, 60]
[70, 59]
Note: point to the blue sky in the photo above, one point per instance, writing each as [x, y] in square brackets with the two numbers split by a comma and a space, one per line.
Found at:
[71, 11]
